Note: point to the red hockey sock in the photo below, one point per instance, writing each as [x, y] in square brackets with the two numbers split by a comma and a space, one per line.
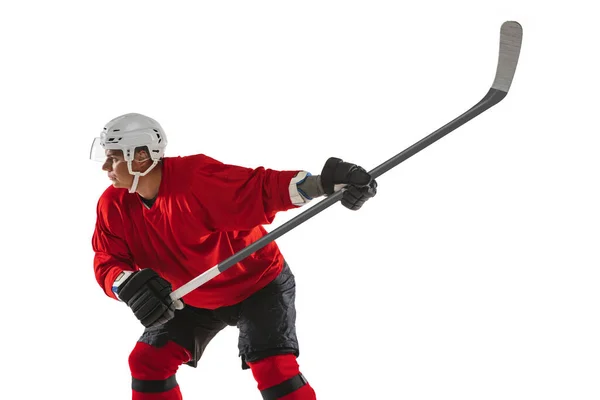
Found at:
[173, 394]
[279, 377]
[153, 371]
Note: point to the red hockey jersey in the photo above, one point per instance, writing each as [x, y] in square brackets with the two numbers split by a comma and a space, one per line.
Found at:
[205, 211]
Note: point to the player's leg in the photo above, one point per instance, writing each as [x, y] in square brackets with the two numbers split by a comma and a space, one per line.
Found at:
[153, 369]
[268, 343]
[160, 351]
[279, 377]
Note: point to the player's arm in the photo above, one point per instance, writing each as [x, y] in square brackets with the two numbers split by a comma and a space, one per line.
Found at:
[144, 291]
[112, 258]
[240, 198]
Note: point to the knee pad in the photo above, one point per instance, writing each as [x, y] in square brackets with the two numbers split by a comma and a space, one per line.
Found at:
[280, 377]
[153, 368]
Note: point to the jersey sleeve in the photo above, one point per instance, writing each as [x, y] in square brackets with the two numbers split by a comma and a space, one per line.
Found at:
[111, 253]
[241, 198]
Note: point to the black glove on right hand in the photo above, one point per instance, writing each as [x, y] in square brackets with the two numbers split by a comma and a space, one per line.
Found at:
[147, 294]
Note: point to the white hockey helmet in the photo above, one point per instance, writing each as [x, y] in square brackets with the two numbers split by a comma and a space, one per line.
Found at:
[127, 133]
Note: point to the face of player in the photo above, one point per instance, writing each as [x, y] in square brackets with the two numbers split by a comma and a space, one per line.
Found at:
[116, 166]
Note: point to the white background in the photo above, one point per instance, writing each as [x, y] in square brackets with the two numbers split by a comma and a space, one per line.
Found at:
[473, 274]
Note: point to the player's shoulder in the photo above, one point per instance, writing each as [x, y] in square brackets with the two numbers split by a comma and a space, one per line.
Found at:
[112, 198]
[112, 194]
[194, 162]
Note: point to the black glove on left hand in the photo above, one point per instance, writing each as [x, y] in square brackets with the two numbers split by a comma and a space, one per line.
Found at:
[360, 186]
[354, 197]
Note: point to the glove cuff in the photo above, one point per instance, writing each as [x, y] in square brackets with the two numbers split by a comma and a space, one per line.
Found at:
[119, 281]
[134, 283]
[328, 174]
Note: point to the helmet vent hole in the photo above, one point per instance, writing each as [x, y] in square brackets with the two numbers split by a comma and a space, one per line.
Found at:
[116, 130]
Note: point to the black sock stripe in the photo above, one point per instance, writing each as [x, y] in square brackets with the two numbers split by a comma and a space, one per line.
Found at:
[157, 386]
[284, 388]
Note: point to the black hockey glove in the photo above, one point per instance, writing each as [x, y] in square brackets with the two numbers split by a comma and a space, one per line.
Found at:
[354, 197]
[147, 294]
[360, 187]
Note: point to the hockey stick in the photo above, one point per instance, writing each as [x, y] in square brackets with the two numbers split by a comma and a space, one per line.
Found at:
[511, 34]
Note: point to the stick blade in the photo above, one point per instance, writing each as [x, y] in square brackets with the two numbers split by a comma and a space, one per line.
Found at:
[511, 36]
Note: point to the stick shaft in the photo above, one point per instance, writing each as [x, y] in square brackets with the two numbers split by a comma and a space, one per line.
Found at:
[494, 96]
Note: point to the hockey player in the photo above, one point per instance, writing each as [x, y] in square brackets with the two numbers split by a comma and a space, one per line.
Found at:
[166, 220]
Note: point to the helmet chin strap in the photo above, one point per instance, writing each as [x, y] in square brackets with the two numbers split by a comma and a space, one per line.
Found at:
[136, 179]
[136, 175]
